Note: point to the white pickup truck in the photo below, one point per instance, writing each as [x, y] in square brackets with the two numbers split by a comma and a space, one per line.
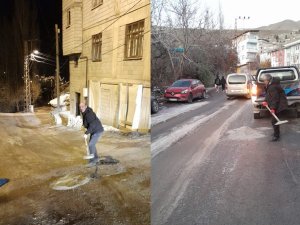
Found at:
[290, 82]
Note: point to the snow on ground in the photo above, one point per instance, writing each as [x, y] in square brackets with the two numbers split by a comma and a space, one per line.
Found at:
[245, 134]
[166, 140]
[168, 113]
[110, 128]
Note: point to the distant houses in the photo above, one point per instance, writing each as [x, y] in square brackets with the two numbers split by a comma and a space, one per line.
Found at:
[256, 51]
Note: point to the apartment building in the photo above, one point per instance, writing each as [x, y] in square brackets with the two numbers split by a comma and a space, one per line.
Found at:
[246, 45]
[292, 53]
[108, 44]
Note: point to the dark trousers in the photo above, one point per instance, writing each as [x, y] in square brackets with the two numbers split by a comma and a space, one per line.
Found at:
[275, 127]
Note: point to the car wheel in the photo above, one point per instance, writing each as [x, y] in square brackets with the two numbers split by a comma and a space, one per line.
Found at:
[154, 106]
[190, 98]
[204, 94]
[256, 115]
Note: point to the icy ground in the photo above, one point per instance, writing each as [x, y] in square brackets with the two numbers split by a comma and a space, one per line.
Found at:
[35, 152]
[168, 113]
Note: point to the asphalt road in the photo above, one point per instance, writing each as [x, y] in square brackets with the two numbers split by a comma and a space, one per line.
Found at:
[225, 171]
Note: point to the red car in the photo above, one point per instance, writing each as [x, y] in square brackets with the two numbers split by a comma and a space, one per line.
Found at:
[185, 90]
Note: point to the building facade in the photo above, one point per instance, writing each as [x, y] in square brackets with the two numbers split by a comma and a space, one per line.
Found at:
[292, 54]
[247, 49]
[277, 58]
[108, 44]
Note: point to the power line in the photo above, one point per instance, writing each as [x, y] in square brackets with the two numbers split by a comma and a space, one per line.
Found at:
[127, 12]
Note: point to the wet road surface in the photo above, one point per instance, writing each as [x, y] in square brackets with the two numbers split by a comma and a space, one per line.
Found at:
[225, 171]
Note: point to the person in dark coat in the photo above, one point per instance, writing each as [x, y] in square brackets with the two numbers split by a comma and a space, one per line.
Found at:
[217, 83]
[94, 128]
[276, 100]
[223, 83]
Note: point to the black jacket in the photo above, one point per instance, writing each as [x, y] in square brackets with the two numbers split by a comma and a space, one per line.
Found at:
[223, 81]
[217, 81]
[91, 122]
[276, 97]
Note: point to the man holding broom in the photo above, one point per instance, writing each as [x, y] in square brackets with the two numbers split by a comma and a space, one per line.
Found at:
[276, 100]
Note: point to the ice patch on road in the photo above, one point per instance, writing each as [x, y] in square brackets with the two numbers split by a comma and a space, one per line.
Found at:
[169, 113]
[166, 140]
[15, 141]
[245, 134]
[69, 182]
[264, 128]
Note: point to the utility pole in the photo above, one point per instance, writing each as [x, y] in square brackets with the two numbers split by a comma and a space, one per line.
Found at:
[57, 31]
[27, 99]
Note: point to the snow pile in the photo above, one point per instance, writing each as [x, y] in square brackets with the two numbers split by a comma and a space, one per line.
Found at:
[110, 128]
[56, 117]
[64, 100]
[75, 122]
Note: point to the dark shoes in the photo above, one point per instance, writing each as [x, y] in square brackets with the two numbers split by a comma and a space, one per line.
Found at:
[93, 163]
[274, 139]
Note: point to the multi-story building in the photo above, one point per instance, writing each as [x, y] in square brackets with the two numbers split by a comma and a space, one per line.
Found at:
[247, 49]
[108, 44]
[277, 57]
[292, 53]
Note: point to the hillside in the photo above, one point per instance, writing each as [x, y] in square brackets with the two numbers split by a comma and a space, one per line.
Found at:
[283, 25]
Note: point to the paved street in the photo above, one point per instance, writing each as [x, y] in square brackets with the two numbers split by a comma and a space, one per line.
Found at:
[219, 167]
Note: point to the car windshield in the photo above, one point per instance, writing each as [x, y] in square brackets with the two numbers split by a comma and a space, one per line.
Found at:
[181, 83]
[282, 75]
[237, 79]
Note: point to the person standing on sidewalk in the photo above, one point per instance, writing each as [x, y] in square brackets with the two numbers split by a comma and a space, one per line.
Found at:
[276, 100]
[217, 83]
[94, 128]
[223, 83]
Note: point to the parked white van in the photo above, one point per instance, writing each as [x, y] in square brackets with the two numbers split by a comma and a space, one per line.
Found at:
[239, 85]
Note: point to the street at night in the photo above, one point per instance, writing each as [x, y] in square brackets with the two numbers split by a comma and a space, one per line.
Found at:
[35, 154]
[219, 166]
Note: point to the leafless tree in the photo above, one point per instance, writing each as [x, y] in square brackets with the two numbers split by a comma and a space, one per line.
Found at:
[196, 45]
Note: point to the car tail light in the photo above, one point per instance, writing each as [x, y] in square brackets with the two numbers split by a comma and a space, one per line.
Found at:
[254, 90]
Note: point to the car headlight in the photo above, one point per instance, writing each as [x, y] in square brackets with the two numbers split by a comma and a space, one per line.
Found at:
[185, 91]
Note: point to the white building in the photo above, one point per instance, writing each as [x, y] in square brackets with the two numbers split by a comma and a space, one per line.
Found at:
[247, 49]
[246, 46]
[292, 54]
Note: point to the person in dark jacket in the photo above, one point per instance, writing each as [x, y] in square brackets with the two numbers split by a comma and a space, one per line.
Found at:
[94, 128]
[217, 83]
[276, 100]
[223, 83]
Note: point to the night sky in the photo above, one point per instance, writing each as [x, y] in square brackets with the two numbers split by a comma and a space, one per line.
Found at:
[44, 14]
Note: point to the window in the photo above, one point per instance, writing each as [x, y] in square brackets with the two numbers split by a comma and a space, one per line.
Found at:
[282, 75]
[96, 47]
[96, 3]
[68, 18]
[237, 79]
[181, 83]
[134, 40]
